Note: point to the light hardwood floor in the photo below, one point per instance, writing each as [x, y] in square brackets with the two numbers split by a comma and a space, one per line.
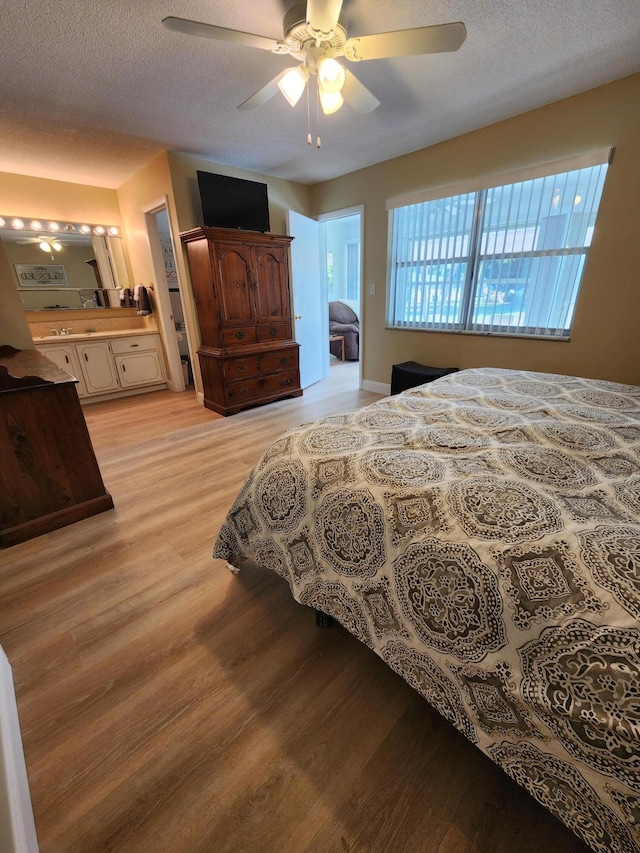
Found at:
[169, 706]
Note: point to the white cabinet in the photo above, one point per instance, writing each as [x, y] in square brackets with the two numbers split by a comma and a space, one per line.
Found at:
[107, 365]
[137, 360]
[64, 355]
[96, 362]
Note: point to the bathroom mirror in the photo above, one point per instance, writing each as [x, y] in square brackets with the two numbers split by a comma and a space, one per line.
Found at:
[64, 268]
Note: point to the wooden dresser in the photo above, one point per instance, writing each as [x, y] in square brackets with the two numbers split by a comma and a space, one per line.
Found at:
[241, 286]
[49, 476]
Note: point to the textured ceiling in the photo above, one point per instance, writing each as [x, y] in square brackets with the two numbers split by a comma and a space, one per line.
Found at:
[89, 93]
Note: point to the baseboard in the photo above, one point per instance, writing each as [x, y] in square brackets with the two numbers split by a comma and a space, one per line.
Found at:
[54, 520]
[376, 387]
[125, 392]
[17, 826]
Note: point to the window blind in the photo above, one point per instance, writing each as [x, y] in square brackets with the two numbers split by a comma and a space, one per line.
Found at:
[503, 259]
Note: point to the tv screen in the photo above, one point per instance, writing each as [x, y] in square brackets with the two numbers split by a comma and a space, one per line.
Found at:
[233, 202]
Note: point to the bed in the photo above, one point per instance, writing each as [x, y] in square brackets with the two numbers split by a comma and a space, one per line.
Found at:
[482, 535]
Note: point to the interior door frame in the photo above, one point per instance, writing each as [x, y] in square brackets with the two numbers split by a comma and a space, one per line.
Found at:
[341, 214]
[175, 378]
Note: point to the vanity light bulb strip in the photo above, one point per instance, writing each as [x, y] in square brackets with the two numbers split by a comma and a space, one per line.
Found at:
[36, 225]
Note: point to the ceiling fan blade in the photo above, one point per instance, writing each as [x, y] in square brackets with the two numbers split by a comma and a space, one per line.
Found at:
[195, 28]
[263, 95]
[357, 95]
[441, 38]
[322, 17]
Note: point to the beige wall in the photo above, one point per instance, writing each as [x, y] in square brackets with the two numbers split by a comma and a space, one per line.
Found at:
[605, 342]
[40, 198]
[150, 186]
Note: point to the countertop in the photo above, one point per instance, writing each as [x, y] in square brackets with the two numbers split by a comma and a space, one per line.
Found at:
[84, 336]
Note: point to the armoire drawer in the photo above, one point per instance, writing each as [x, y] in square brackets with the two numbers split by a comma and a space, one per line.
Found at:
[260, 386]
[254, 365]
[239, 336]
[273, 332]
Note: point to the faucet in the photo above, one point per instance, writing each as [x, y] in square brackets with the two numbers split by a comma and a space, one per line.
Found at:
[65, 331]
[55, 332]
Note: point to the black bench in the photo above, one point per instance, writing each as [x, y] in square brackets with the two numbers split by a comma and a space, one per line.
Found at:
[410, 373]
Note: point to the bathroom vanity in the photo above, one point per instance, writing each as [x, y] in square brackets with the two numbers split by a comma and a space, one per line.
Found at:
[108, 364]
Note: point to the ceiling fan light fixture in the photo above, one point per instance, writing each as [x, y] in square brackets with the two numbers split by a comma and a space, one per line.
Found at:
[56, 246]
[44, 246]
[292, 83]
[330, 102]
[331, 75]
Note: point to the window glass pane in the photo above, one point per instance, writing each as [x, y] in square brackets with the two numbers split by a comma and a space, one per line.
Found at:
[431, 247]
[551, 220]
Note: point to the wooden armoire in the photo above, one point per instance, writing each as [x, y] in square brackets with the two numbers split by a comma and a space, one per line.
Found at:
[241, 287]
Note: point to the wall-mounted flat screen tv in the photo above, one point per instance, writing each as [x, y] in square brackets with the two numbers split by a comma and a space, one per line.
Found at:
[233, 202]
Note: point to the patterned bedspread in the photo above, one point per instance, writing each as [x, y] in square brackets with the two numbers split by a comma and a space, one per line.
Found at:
[482, 535]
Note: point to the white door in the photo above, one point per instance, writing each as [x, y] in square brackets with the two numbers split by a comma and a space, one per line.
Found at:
[310, 309]
[141, 368]
[98, 367]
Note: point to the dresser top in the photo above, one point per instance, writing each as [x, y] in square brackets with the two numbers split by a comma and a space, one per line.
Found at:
[20, 369]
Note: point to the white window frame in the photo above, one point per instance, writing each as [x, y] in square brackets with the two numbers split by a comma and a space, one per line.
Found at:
[415, 252]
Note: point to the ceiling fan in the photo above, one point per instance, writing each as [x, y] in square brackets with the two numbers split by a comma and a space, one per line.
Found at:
[315, 34]
[46, 242]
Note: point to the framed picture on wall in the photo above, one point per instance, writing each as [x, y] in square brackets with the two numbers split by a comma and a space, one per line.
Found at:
[40, 275]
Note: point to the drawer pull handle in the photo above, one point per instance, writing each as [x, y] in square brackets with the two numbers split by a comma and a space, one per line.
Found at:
[124, 369]
[274, 330]
[239, 335]
[134, 345]
[66, 358]
[240, 368]
[242, 390]
[284, 359]
[286, 382]
[86, 357]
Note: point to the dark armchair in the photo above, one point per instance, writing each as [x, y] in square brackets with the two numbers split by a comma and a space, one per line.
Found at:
[344, 321]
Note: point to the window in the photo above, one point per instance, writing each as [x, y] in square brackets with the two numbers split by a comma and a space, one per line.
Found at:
[353, 270]
[504, 259]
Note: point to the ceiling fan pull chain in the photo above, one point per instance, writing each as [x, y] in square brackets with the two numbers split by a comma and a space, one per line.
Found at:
[308, 116]
[318, 140]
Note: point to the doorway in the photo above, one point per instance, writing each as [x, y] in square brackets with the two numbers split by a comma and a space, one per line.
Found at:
[169, 298]
[341, 235]
[326, 267]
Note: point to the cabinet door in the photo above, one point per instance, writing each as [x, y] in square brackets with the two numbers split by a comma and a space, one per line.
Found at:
[98, 367]
[140, 368]
[233, 268]
[271, 270]
[64, 355]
